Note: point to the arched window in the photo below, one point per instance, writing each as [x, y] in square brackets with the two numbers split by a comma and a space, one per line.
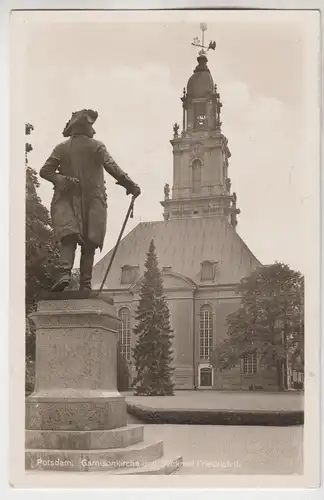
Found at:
[206, 332]
[125, 332]
[196, 176]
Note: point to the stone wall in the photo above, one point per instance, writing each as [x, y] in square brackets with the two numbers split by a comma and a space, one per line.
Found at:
[235, 380]
[185, 319]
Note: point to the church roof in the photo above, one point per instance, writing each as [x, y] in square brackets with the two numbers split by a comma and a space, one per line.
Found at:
[182, 244]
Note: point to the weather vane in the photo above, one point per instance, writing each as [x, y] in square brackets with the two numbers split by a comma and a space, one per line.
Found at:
[197, 43]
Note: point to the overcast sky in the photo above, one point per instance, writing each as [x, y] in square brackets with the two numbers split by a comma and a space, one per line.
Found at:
[133, 75]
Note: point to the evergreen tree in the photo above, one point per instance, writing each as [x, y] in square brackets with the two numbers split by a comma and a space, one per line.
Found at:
[270, 321]
[153, 350]
[41, 256]
[41, 253]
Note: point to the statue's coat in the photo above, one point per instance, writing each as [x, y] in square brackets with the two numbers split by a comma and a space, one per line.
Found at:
[82, 211]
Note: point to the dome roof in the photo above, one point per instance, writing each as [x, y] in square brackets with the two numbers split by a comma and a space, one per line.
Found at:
[201, 83]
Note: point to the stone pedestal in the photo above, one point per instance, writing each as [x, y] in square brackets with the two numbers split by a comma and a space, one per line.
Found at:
[76, 420]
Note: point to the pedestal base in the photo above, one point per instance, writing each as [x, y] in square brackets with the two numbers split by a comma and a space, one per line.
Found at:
[76, 420]
[72, 414]
[85, 440]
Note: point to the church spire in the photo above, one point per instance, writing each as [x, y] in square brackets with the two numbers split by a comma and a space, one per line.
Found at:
[200, 100]
[201, 186]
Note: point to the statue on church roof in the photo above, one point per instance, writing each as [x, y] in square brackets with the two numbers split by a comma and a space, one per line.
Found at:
[234, 211]
[228, 184]
[166, 191]
[79, 205]
[176, 127]
[233, 219]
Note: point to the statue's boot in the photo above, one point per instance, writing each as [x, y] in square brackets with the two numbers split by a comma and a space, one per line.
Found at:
[67, 255]
[86, 265]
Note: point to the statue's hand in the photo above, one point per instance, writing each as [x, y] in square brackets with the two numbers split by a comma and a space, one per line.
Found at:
[60, 182]
[129, 185]
[134, 190]
[65, 183]
[73, 182]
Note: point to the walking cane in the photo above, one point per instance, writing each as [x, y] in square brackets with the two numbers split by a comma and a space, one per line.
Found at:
[129, 214]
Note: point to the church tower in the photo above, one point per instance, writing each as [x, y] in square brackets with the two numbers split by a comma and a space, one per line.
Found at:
[201, 185]
[202, 256]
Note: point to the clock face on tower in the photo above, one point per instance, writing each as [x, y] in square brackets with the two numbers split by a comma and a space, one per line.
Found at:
[200, 114]
[201, 119]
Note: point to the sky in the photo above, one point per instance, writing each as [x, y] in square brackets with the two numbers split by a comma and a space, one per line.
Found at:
[133, 74]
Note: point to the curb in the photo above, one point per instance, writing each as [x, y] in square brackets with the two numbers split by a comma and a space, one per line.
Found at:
[216, 417]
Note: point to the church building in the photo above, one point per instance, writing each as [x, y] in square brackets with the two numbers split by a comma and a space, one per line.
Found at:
[200, 253]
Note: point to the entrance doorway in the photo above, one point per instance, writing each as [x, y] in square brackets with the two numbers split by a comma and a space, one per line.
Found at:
[205, 376]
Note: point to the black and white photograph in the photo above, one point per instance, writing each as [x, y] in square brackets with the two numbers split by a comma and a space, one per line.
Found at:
[165, 211]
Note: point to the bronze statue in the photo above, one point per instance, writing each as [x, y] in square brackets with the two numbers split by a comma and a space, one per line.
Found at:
[79, 204]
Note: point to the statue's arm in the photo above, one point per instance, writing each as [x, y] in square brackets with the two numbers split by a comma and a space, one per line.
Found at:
[115, 171]
[49, 169]
[109, 163]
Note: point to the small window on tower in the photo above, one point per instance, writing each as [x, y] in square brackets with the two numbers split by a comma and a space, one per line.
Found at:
[196, 176]
[208, 271]
[129, 275]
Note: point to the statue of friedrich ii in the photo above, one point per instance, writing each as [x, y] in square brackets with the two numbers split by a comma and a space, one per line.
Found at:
[79, 205]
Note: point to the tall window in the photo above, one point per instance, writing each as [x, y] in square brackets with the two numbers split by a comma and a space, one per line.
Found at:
[125, 332]
[206, 332]
[196, 176]
[250, 364]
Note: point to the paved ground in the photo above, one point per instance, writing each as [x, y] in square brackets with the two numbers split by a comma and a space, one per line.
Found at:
[231, 449]
[228, 449]
[221, 400]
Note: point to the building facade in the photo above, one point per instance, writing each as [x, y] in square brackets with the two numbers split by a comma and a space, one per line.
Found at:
[201, 255]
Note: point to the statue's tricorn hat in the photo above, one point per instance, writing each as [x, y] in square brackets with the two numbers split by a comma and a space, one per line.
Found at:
[80, 121]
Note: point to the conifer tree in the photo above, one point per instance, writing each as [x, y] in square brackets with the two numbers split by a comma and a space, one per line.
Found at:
[41, 256]
[153, 349]
[41, 252]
